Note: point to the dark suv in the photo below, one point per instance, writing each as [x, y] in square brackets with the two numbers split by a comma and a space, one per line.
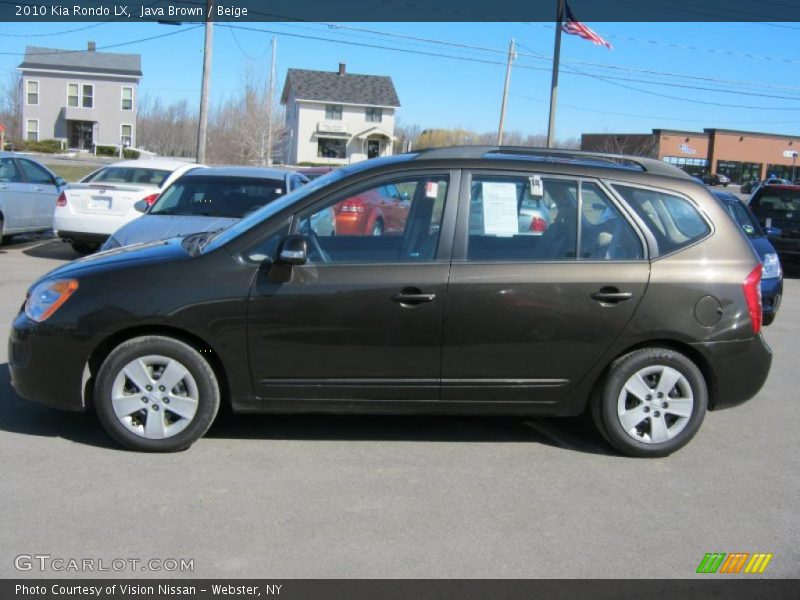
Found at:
[639, 301]
[777, 208]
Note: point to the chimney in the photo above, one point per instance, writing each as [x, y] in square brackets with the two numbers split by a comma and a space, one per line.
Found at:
[91, 47]
[342, 68]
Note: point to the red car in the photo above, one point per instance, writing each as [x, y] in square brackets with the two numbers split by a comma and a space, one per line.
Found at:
[379, 211]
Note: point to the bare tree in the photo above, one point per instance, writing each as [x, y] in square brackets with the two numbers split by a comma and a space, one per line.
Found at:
[167, 129]
[11, 105]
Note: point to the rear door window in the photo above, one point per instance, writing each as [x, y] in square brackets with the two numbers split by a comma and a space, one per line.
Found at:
[674, 221]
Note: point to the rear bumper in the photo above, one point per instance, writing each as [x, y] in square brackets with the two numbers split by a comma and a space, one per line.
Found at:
[740, 369]
[83, 225]
[79, 236]
[771, 293]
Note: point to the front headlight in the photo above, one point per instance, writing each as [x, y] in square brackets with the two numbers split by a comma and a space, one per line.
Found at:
[46, 297]
[772, 267]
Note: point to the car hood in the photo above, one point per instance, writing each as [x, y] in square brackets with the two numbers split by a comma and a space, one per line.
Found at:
[149, 228]
[136, 255]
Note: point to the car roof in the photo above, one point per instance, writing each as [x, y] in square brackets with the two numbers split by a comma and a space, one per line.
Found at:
[477, 156]
[167, 164]
[725, 196]
[233, 171]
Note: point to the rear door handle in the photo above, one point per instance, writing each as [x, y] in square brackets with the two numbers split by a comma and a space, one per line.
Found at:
[412, 297]
[611, 295]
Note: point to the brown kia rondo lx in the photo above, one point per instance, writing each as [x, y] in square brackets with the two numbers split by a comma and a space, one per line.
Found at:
[636, 300]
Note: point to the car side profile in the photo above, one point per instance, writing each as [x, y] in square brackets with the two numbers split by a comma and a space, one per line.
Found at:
[639, 303]
[28, 192]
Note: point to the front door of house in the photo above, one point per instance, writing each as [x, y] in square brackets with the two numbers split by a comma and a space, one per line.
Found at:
[373, 148]
[81, 134]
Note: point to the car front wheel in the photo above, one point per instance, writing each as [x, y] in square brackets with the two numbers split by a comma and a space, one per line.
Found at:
[651, 403]
[156, 394]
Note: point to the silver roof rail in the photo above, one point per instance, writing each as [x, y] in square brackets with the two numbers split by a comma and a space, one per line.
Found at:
[649, 165]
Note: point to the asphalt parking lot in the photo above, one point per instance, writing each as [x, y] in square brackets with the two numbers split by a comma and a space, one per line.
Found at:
[322, 496]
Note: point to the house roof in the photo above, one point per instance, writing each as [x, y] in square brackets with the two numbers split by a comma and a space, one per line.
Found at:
[82, 61]
[330, 86]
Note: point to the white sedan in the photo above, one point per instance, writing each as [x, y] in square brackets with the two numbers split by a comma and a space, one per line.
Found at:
[89, 211]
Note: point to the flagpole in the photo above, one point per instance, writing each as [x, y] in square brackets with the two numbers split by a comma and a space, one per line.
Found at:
[551, 125]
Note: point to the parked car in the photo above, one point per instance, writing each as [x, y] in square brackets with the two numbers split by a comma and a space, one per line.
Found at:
[777, 208]
[749, 186]
[376, 211]
[647, 312]
[89, 211]
[716, 179]
[777, 181]
[208, 200]
[772, 274]
[28, 191]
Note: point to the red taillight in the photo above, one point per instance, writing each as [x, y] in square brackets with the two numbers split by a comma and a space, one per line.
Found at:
[151, 199]
[352, 206]
[538, 225]
[62, 199]
[752, 295]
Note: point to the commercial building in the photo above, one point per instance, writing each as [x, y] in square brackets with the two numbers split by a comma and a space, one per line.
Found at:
[336, 118]
[84, 98]
[741, 155]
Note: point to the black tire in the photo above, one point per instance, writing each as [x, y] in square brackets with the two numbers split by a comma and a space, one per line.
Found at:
[768, 319]
[208, 400]
[377, 228]
[84, 248]
[2, 224]
[604, 405]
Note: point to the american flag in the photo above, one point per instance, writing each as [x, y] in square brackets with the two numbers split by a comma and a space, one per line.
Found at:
[573, 27]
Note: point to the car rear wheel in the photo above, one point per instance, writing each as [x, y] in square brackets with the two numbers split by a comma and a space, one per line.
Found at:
[85, 247]
[2, 224]
[377, 228]
[768, 319]
[651, 403]
[156, 394]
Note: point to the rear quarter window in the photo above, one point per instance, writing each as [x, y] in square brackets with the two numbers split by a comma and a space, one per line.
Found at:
[674, 221]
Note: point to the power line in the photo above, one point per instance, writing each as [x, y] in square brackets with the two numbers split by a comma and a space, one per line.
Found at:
[119, 45]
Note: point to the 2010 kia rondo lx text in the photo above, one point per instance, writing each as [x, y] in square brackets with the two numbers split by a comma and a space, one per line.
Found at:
[639, 302]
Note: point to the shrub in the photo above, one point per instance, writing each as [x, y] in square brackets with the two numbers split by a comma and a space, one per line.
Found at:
[45, 146]
[130, 154]
[106, 150]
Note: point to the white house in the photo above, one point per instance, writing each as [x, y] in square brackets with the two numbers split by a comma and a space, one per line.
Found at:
[338, 118]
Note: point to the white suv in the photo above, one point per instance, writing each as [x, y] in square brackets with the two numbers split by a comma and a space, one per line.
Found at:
[89, 211]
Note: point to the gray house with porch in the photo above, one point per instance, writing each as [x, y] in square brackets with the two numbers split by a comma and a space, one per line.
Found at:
[84, 98]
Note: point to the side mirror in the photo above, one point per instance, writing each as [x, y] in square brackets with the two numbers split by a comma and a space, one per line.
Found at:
[141, 206]
[294, 251]
[60, 182]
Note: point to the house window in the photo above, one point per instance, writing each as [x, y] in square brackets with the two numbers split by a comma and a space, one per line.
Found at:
[126, 135]
[72, 95]
[333, 112]
[32, 89]
[331, 148]
[127, 98]
[32, 130]
[88, 96]
[374, 115]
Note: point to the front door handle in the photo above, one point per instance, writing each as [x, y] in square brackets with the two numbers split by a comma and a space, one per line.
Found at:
[611, 295]
[412, 296]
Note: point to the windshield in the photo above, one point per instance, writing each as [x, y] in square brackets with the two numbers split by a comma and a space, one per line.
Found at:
[232, 197]
[743, 217]
[265, 212]
[134, 175]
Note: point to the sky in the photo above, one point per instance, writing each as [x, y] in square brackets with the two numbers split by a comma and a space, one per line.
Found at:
[668, 75]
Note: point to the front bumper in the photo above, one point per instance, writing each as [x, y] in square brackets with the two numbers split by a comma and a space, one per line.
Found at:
[47, 365]
[739, 367]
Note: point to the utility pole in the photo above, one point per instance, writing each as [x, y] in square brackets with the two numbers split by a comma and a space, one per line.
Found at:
[511, 57]
[551, 125]
[202, 127]
[271, 101]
